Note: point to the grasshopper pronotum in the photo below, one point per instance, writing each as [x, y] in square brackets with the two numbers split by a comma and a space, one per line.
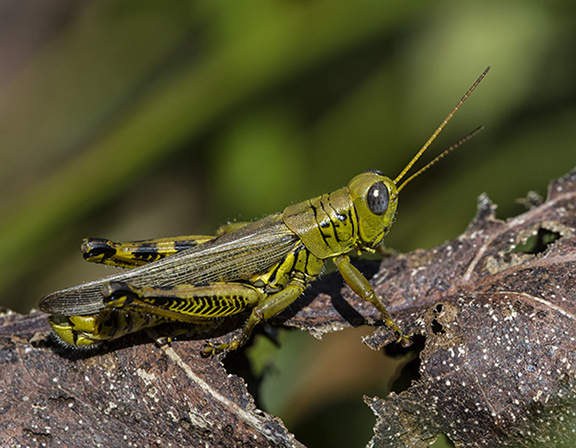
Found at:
[262, 266]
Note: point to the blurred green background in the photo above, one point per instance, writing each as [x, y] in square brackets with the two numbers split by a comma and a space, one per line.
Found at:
[139, 119]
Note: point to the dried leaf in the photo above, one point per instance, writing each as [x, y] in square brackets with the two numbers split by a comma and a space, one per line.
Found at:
[497, 368]
[499, 318]
[140, 395]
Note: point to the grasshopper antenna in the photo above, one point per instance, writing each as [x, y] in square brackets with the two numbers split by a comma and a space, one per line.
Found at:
[441, 156]
[435, 134]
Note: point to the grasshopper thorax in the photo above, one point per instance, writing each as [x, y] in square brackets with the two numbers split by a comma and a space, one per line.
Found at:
[375, 200]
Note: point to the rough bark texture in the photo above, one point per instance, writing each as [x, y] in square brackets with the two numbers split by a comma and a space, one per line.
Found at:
[496, 308]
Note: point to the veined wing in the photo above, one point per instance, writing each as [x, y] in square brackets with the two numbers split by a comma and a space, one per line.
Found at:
[237, 255]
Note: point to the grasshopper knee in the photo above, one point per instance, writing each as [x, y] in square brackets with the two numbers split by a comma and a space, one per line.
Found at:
[118, 294]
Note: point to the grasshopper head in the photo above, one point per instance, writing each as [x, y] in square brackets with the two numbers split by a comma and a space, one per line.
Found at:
[375, 196]
[375, 199]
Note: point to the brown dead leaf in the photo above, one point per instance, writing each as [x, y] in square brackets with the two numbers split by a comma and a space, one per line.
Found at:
[139, 395]
[499, 318]
[497, 368]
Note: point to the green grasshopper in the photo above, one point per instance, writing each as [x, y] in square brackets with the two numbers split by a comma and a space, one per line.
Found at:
[262, 266]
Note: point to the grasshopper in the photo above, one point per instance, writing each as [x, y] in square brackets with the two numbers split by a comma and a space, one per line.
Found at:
[262, 266]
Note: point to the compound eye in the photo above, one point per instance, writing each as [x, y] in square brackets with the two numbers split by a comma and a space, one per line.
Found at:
[378, 198]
